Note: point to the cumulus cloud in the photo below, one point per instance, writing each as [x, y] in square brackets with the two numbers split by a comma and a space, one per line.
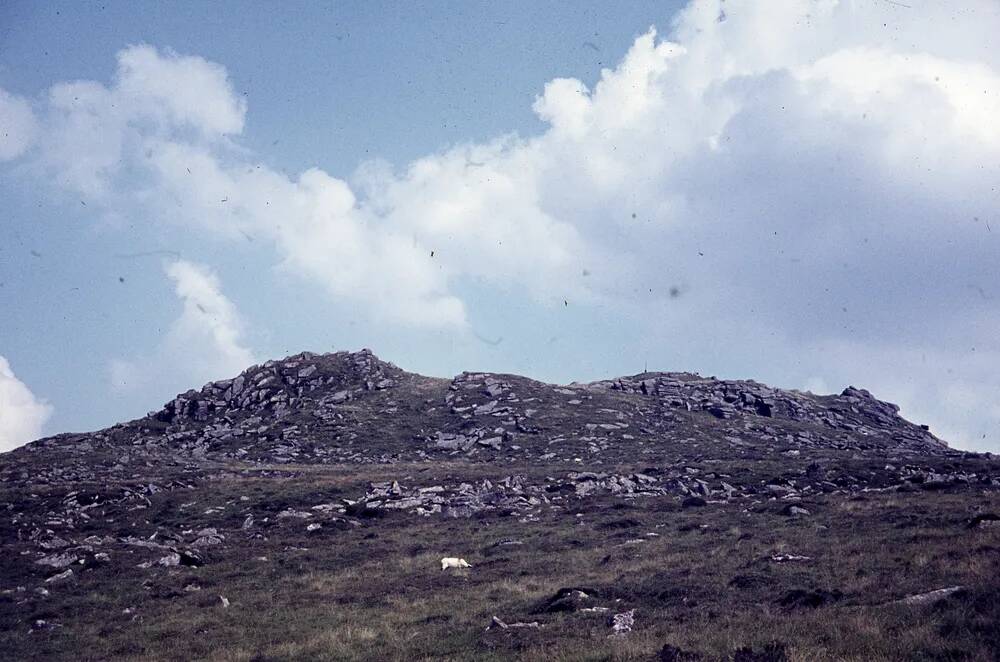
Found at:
[177, 90]
[95, 133]
[808, 174]
[22, 415]
[204, 343]
[209, 320]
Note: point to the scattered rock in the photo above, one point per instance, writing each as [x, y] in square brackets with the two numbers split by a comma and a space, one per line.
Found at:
[497, 623]
[65, 574]
[794, 511]
[930, 597]
[622, 624]
[208, 537]
[145, 492]
[58, 560]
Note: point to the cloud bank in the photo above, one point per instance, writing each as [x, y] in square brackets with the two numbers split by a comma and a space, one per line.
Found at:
[804, 189]
[22, 415]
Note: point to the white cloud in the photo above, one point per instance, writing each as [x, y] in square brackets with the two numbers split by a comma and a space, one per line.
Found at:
[820, 171]
[204, 343]
[956, 393]
[95, 136]
[190, 91]
[18, 126]
[209, 321]
[22, 415]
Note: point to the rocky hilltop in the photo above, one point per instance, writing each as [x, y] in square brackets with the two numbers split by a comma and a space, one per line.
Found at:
[328, 463]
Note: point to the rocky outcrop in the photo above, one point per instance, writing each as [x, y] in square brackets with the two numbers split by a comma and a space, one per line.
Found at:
[854, 410]
[276, 387]
[477, 446]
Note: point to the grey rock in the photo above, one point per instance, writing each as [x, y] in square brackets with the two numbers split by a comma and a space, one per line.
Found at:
[170, 560]
[58, 560]
[622, 624]
[930, 597]
[795, 511]
[65, 574]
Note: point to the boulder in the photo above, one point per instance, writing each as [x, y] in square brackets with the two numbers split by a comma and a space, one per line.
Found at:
[622, 624]
[567, 599]
[65, 574]
[63, 560]
[792, 510]
[170, 560]
[930, 597]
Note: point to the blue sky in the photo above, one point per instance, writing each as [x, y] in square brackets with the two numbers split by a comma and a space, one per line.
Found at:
[803, 193]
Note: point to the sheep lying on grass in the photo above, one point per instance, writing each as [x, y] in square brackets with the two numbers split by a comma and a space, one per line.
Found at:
[453, 562]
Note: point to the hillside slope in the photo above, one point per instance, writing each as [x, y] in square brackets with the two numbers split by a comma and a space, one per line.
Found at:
[299, 510]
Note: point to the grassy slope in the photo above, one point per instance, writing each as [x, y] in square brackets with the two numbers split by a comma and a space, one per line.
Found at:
[375, 591]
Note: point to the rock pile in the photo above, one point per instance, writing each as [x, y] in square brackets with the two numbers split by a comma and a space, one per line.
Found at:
[274, 388]
[854, 410]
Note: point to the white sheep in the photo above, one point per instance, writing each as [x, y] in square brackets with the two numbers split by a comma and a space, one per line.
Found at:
[453, 562]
